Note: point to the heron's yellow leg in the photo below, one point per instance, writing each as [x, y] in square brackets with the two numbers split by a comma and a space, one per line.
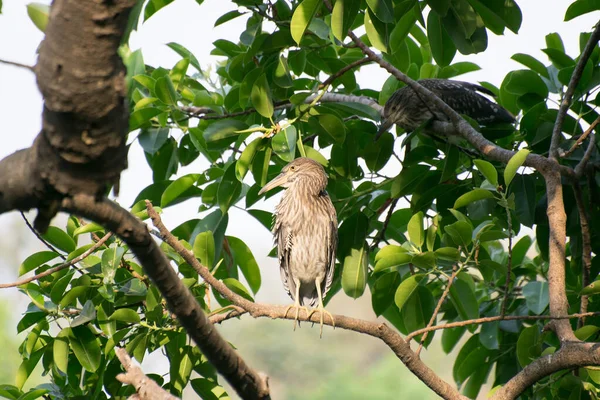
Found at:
[321, 309]
[297, 306]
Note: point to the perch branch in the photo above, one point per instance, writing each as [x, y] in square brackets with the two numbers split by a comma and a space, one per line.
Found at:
[581, 138]
[342, 71]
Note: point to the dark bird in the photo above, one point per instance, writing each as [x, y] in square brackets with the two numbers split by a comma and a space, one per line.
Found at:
[305, 232]
[406, 109]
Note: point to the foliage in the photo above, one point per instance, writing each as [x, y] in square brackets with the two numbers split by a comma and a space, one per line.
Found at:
[457, 211]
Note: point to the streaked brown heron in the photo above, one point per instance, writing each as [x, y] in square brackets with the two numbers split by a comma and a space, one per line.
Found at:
[406, 109]
[305, 232]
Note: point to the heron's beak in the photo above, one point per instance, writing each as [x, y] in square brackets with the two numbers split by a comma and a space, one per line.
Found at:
[385, 125]
[277, 181]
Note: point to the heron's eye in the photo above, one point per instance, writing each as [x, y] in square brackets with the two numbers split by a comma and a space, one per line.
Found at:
[293, 168]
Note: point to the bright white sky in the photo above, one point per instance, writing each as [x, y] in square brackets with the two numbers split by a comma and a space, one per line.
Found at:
[192, 26]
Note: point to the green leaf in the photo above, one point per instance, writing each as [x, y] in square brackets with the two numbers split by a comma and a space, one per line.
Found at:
[406, 289]
[377, 154]
[473, 195]
[581, 7]
[223, 129]
[592, 288]
[59, 287]
[532, 63]
[237, 287]
[513, 165]
[408, 179]
[165, 90]
[460, 232]
[87, 314]
[442, 47]
[416, 233]
[524, 81]
[585, 332]
[141, 116]
[529, 345]
[10, 392]
[301, 18]
[59, 238]
[111, 258]
[394, 260]
[227, 17]
[333, 126]
[536, 296]
[450, 338]
[208, 389]
[354, 273]
[85, 346]
[343, 16]
[376, 32]
[178, 187]
[126, 315]
[245, 260]
[60, 349]
[35, 260]
[463, 297]
[204, 248]
[383, 290]
[73, 294]
[261, 97]
[383, 10]
[229, 189]
[247, 157]
[448, 253]
[439, 6]
[284, 143]
[38, 13]
[488, 171]
[185, 53]
[179, 72]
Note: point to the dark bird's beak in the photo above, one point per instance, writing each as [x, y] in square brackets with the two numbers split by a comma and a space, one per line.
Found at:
[276, 182]
[386, 124]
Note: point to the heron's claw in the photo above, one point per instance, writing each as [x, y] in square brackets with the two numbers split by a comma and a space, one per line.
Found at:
[322, 311]
[297, 307]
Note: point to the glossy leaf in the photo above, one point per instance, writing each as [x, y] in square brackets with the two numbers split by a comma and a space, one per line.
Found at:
[85, 346]
[354, 273]
[473, 195]
[246, 261]
[261, 97]
[487, 170]
[38, 13]
[513, 165]
[35, 260]
[343, 15]
[416, 231]
[204, 248]
[302, 17]
[284, 143]
[177, 188]
[406, 289]
[536, 296]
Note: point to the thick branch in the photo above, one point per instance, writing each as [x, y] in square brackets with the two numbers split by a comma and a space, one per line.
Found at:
[571, 355]
[390, 337]
[146, 388]
[566, 101]
[248, 383]
[557, 219]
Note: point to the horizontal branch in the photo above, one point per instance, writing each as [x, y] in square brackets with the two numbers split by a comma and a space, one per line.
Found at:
[399, 346]
[18, 64]
[485, 320]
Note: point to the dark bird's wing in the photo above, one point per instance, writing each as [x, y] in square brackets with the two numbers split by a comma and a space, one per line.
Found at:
[283, 240]
[464, 98]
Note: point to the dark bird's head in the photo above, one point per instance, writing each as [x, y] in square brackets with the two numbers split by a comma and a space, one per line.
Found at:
[302, 173]
[394, 111]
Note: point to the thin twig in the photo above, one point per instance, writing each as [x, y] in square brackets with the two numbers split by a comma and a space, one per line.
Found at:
[586, 156]
[388, 217]
[509, 262]
[342, 71]
[58, 267]
[437, 308]
[485, 320]
[40, 238]
[581, 138]
[18, 64]
[566, 101]
[586, 251]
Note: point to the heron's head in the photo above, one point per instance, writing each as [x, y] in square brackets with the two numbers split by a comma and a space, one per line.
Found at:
[301, 173]
[393, 112]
